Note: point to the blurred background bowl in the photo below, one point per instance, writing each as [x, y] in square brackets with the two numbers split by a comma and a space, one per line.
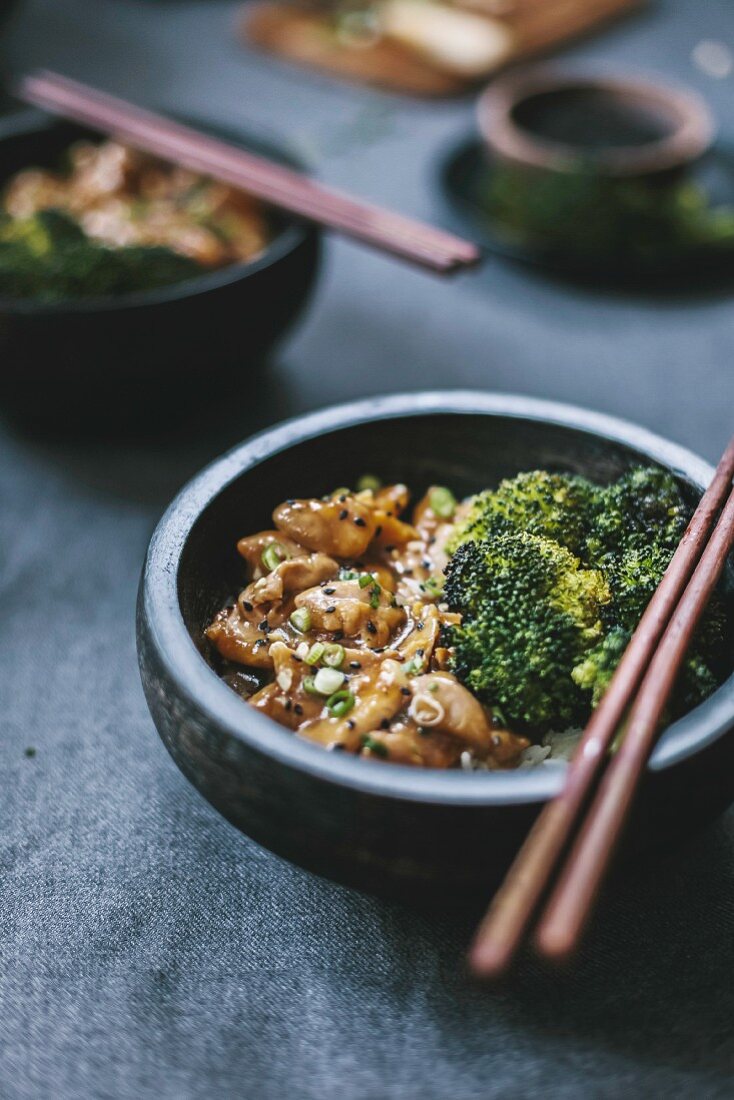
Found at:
[142, 353]
[386, 828]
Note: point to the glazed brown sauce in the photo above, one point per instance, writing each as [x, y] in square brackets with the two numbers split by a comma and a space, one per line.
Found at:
[337, 634]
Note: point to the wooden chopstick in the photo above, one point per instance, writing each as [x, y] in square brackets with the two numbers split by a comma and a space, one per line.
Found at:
[572, 899]
[273, 183]
[514, 905]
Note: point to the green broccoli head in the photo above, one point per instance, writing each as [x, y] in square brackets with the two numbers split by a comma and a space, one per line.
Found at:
[530, 612]
[557, 506]
[644, 510]
[49, 257]
[593, 673]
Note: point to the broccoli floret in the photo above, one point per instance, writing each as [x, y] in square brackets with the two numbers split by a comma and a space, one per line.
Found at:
[529, 613]
[557, 506]
[49, 257]
[644, 510]
[542, 632]
[595, 671]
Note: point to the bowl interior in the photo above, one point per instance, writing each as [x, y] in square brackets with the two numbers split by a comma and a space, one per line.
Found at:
[463, 450]
[32, 139]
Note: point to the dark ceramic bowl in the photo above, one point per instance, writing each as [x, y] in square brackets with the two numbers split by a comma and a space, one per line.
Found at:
[387, 828]
[144, 352]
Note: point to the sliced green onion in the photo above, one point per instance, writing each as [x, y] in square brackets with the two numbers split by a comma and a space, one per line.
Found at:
[273, 555]
[309, 685]
[433, 586]
[375, 598]
[333, 655]
[328, 680]
[376, 747]
[369, 481]
[414, 667]
[442, 502]
[315, 653]
[365, 579]
[301, 619]
[347, 575]
[343, 492]
[340, 703]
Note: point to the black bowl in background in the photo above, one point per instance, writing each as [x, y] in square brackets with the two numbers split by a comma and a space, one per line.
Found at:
[144, 353]
[387, 828]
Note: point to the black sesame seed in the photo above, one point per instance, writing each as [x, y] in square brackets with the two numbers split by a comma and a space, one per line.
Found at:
[405, 691]
[338, 635]
[419, 652]
[298, 708]
[407, 572]
[330, 610]
[355, 664]
[371, 627]
[385, 724]
[431, 540]
[389, 549]
[342, 498]
[343, 514]
[259, 642]
[359, 522]
[247, 605]
[378, 530]
[263, 624]
[288, 704]
[350, 723]
[426, 563]
[329, 591]
[419, 626]
[291, 501]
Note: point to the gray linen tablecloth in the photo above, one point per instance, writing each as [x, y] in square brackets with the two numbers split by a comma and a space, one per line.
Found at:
[146, 948]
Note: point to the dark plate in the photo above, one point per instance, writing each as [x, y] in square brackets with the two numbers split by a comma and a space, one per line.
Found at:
[464, 173]
[387, 828]
[139, 354]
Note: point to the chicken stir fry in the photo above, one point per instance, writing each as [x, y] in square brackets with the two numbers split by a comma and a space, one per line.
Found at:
[123, 198]
[340, 625]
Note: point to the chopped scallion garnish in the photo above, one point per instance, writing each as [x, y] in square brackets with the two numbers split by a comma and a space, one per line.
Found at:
[376, 747]
[442, 502]
[273, 555]
[365, 579]
[340, 703]
[301, 619]
[367, 482]
[328, 680]
[315, 653]
[333, 655]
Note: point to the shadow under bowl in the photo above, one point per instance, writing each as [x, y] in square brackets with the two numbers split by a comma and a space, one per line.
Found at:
[141, 354]
[389, 829]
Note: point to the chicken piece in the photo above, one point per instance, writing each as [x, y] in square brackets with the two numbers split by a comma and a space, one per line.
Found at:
[345, 607]
[443, 705]
[418, 646]
[341, 526]
[380, 693]
[392, 499]
[391, 532]
[405, 743]
[238, 639]
[252, 548]
[285, 700]
[293, 575]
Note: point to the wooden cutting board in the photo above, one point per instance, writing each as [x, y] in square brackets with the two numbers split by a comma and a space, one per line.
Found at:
[510, 30]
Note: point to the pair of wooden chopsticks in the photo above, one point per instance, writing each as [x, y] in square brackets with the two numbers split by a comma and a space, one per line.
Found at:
[272, 183]
[639, 690]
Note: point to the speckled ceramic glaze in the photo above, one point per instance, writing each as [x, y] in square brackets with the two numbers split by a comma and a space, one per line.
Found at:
[386, 828]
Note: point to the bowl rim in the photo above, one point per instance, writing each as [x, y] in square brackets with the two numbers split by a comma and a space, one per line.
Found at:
[292, 233]
[692, 133]
[204, 690]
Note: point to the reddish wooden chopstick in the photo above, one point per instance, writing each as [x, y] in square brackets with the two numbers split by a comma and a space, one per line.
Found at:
[571, 902]
[279, 186]
[514, 905]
